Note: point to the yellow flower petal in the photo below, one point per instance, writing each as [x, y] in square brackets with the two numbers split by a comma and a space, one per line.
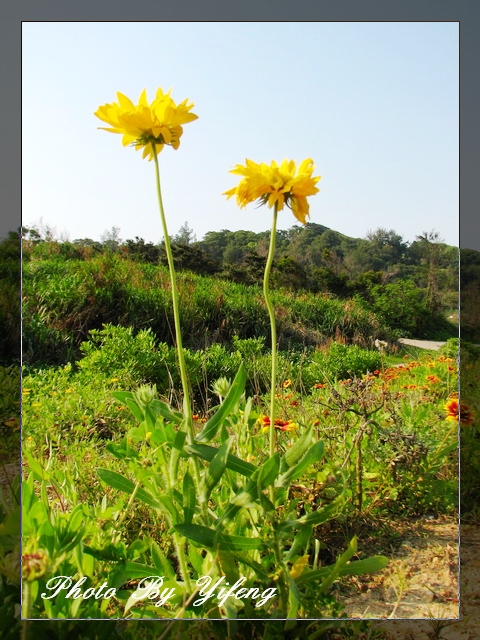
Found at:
[158, 123]
[276, 185]
[298, 567]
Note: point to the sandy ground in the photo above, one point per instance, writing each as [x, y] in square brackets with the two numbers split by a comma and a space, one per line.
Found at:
[421, 580]
[468, 625]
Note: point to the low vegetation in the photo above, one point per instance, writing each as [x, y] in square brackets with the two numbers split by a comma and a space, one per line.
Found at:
[115, 494]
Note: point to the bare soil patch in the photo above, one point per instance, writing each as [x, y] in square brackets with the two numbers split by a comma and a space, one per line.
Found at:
[421, 580]
[468, 626]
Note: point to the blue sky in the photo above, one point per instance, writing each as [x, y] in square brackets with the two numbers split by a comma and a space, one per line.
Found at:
[374, 104]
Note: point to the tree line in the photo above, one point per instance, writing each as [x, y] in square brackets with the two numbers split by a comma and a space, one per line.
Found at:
[311, 258]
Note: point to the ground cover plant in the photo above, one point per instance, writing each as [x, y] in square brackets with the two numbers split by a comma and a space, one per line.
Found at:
[168, 482]
[386, 444]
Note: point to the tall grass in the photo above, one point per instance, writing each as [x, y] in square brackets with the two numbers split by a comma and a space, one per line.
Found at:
[64, 300]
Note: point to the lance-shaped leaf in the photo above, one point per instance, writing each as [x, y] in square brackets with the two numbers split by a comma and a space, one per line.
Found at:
[207, 452]
[293, 454]
[177, 450]
[122, 395]
[215, 470]
[267, 473]
[300, 542]
[189, 498]
[354, 568]
[125, 571]
[313, 455]
[212, 539]
[314, 517]
[233, 396]
[162, 409]
[117, 481]
[252, 494]
[339, 564]
[135, 409]
[160, 561]
[293, 599]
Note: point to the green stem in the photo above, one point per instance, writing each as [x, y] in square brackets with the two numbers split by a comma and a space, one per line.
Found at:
[25, 607]
[182, 560]
[273, 329]
[176, 314]
[127, 508]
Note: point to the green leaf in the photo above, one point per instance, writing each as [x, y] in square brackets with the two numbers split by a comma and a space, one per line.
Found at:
[294, 454]
[180, 438]
[251, 494]
[162, 409]
[126, 571]
[300, 543]
[134, 408]
[354, 568]
[267, 472]
[122, 395]
[228, 566]
[160, 561]
[231, 399]
[293, 599]
[150, 418]
[314, 517]
[189, 498]
[215, 470]
[339, 564]
[212, 539]
[313, 455]
[121, 483]
[36, 467]
[207, 452]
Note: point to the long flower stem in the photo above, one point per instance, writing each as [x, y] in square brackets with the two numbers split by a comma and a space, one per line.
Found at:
[176, 314]
[273, 329]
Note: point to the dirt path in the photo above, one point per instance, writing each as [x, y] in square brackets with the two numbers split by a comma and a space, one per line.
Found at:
[422, 344]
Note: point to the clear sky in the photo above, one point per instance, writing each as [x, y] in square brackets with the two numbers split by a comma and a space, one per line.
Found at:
[375, 105]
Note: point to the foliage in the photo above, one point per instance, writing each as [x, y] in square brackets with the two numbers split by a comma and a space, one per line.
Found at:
[409, 468]
[63, 301]
[402, 306]
[9, 410]
[115, 492]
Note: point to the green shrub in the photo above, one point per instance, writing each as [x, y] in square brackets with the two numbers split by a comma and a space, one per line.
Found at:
[116, 350]
[340, 362]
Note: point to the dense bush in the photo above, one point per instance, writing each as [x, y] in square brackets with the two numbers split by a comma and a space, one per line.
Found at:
[403, 307]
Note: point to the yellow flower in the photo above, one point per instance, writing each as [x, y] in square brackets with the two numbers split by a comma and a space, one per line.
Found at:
[298, 567]
[276, 185]
[143, 124]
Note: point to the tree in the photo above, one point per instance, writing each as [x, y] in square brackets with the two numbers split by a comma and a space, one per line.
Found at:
[111, 239]
[431, 249]
[185, 235]
[385, 249]
[142, 251]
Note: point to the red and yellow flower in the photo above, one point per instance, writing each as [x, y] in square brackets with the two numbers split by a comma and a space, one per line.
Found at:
[456, 410]
[281, 425]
